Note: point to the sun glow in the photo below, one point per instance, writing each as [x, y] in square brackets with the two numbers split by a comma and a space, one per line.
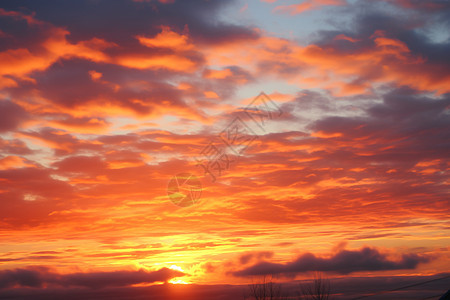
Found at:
[176, 268]
[176, 280]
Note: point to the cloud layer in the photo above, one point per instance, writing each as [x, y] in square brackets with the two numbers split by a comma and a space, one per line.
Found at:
[101, 104]
[38, 277]
[343, 262]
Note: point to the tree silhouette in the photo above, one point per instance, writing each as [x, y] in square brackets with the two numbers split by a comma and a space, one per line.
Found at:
[265, 289]
[319, 289]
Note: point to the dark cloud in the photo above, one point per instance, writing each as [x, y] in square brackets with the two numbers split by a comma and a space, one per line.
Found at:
[19, 33]
[422, 5]
[120, 21]
[248, 257]
[113, 29]
[343, 262]
[414, 125]
[68, 83]
[118, 278]
[38, 277]
[21, 277]
[409, 27]
[421, 25]
[11, 115]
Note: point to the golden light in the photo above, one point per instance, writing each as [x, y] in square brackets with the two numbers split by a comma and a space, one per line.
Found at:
[176, 268]
[176, 280]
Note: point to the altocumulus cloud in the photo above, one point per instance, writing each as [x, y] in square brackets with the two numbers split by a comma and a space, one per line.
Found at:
[343, 262]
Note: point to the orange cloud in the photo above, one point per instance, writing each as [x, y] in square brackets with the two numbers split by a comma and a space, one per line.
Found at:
[307, 5]
[383, 60]
[178, 61]
[218, 74]
[13, 162]
[171, 62]
[20, 62]
[95, 75]
[211, 94]
[109, 140]
[167, 39]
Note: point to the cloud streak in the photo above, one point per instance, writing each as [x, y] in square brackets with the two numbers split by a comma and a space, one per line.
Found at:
[103, 103]
[37, 277]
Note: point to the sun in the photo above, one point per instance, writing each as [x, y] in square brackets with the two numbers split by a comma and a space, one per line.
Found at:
[176, 280]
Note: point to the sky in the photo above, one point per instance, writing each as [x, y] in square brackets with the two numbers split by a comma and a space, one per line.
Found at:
[170, 149]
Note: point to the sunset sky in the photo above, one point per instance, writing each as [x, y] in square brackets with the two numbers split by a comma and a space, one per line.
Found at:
[331, 119]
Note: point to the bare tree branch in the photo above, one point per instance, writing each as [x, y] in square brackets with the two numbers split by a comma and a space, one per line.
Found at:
[319, 289]
[265, 289]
